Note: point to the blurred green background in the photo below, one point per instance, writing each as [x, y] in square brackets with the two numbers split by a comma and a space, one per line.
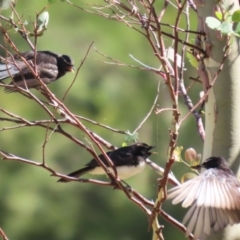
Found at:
[32, 204]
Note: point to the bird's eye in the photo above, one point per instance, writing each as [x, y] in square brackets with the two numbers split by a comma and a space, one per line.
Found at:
[67, 60]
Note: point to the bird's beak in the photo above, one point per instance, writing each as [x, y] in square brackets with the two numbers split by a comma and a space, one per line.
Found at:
[196, 167]
[153, 152]
[71, 69]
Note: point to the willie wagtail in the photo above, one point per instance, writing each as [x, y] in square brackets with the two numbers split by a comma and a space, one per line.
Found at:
[213, 198]
[128, 160]
[49, 65]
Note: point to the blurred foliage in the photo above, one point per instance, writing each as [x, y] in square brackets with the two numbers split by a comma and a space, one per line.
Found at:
[32, 204]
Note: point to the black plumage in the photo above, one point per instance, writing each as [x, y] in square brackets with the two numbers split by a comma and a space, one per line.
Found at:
[49, 66]
[213, 198]
[129, 160]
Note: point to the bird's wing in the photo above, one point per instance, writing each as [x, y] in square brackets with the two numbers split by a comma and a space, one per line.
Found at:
[120, 157]
[123, 157]
[76, 174]
[214, 201]
[93, 163]
[14, 64]
[27, 55]
[7, 70]
[208, 190]
[201, 220]
[47, 73]
[23, 79]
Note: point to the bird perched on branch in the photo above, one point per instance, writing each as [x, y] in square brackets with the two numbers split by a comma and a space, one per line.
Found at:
[129, 161]
[49, 66]
[213, 198]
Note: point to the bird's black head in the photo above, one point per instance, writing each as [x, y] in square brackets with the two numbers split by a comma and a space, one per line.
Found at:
[143, 149]
[215, 162]
[65, 63]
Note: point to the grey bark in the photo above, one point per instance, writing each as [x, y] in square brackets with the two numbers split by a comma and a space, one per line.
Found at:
[222, 119]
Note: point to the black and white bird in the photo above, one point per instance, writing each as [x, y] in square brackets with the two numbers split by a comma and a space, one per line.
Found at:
[128, 160]
[213, 198]
[49, 66]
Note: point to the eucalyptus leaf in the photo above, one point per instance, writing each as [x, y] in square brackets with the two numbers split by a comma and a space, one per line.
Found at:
[213, 23]
[131, 137]
[43, 20]
[226, 28]
[195, 162]
[236, 16]
[5, 4]
[177, 153]
[192, 60]
[237, 30]
[187, 177]
[218, 15]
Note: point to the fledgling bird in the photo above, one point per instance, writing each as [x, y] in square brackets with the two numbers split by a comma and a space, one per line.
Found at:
[129, 161]
[50, 67]
[213, 198]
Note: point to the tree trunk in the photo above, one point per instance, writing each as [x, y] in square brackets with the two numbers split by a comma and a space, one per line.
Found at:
[222, 118]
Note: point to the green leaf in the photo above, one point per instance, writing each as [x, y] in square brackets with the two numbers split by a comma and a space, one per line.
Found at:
[213, 23]
[43, 20]
[226, 28]
[196, 161]
[187, 176]
[236, 16]
[193, 61]
[5, 4]
[237, 30]
[177, 153]
[237, 35]
[229, 18]
[218, 15]
[131, 137]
